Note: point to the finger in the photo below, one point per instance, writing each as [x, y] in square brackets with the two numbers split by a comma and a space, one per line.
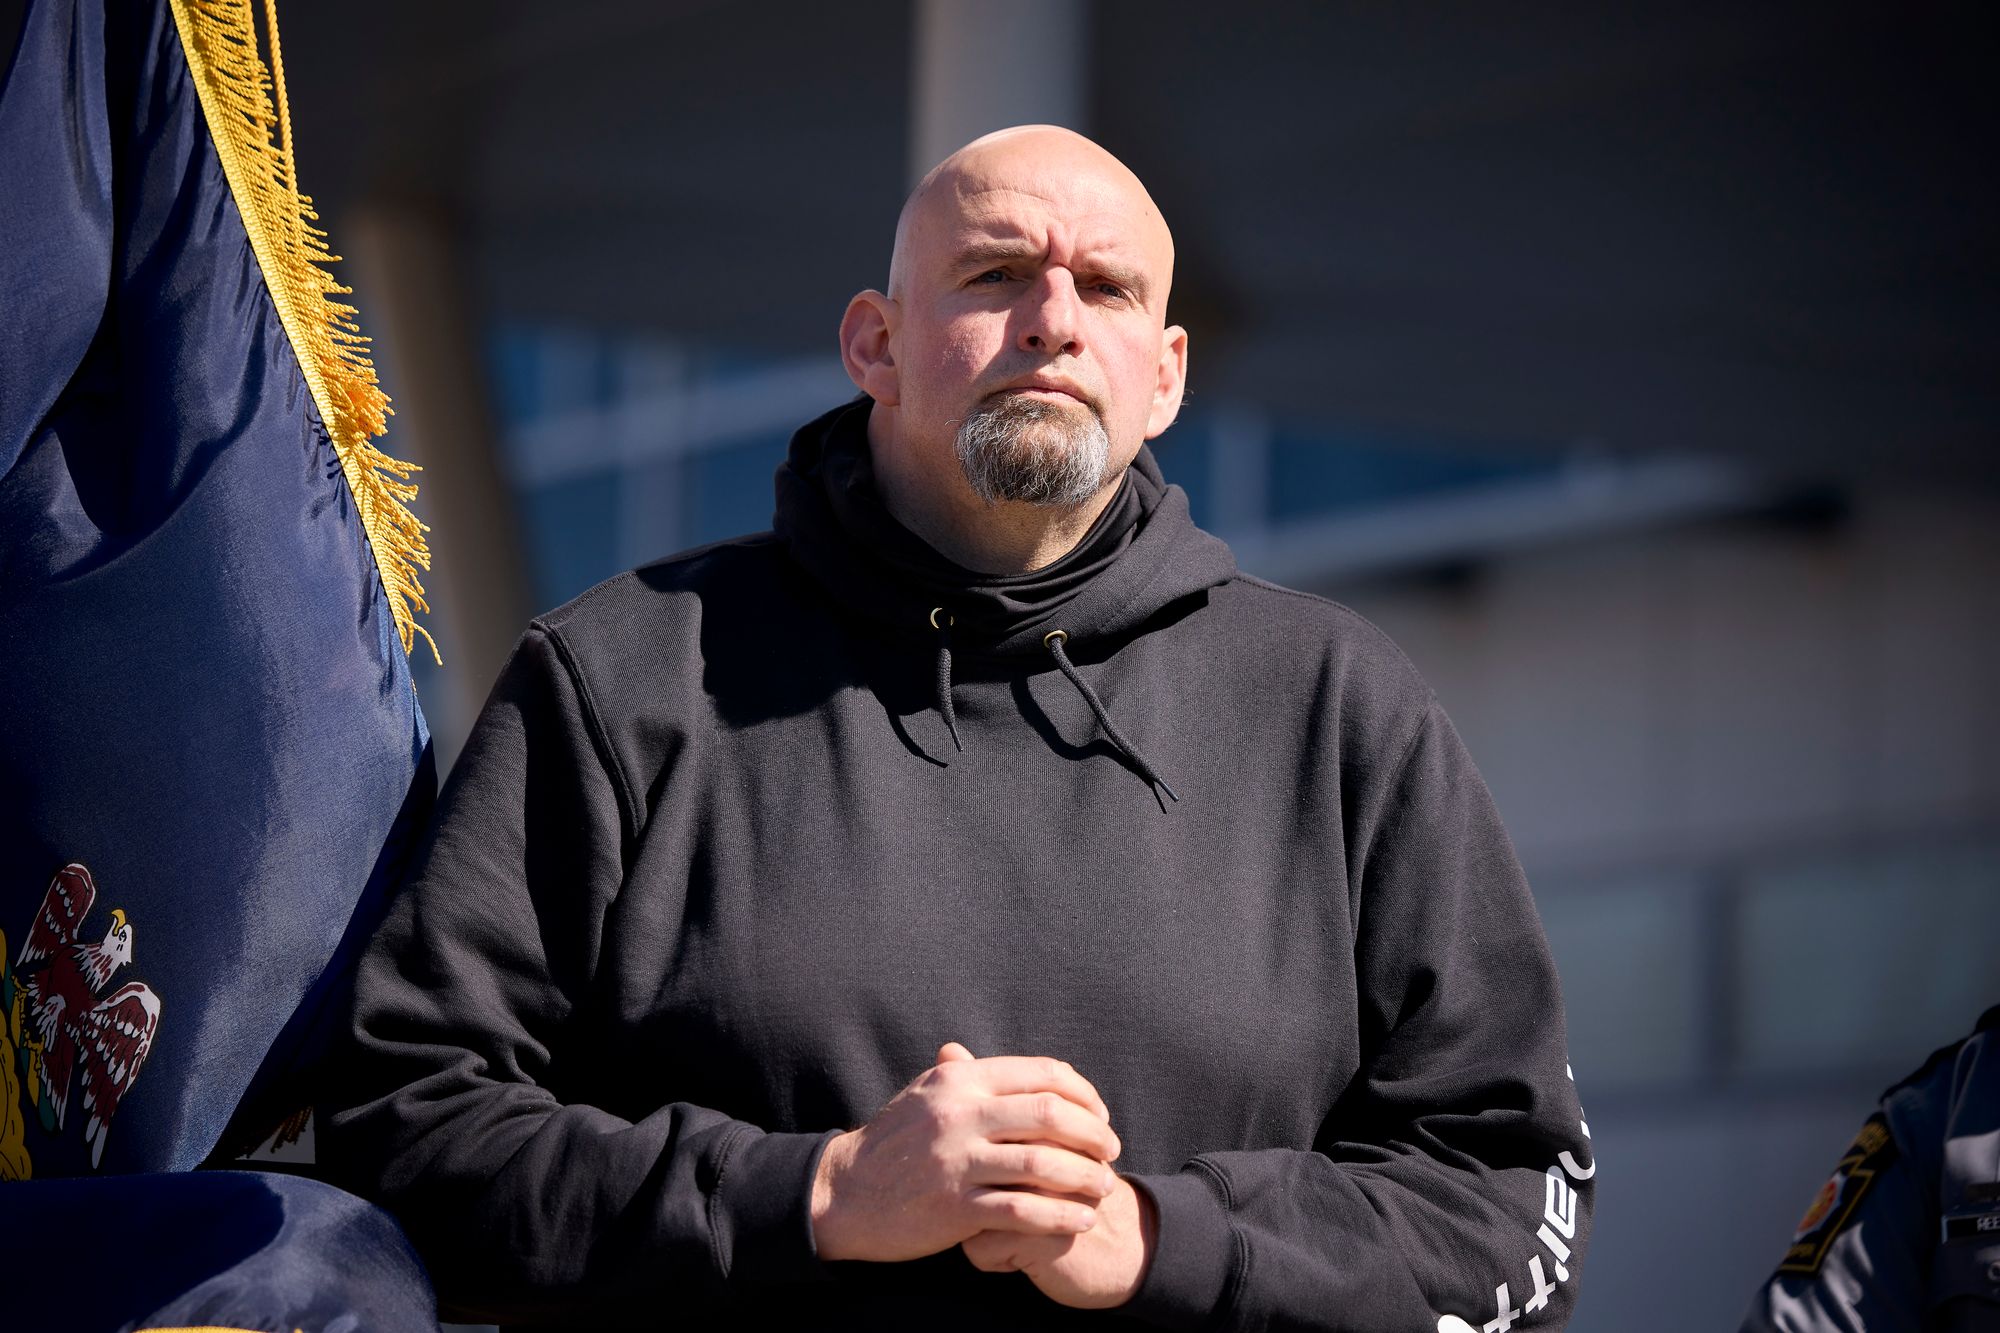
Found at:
[1011, 1251]
[1030, 1117]
[993, 1251]
[1027, 1211]
[1041, 1166]
[951, 1052]
[1005, 1074]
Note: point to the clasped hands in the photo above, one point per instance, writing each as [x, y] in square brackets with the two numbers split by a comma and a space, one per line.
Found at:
[1009, 1159]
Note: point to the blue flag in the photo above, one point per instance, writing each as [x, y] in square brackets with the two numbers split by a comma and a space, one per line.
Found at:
[210, 749]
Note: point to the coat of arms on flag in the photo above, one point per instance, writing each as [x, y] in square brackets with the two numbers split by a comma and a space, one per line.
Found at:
[65, 1021]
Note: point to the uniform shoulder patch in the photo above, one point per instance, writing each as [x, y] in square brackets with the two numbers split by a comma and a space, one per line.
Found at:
[1830, 1210]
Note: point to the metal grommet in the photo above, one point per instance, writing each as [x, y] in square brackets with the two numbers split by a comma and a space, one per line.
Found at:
[949, 618]
[1059, 635]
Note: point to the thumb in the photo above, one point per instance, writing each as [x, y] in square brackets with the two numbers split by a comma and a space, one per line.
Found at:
[951, 1051]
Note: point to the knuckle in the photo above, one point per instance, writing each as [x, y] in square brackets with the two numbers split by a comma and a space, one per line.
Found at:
[1047, 1108]
[985, 1259]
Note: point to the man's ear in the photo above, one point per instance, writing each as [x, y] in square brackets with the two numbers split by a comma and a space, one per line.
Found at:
[1172, 381]
[865, 332]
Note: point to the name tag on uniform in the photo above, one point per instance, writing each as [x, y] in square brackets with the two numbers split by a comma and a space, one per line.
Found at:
[1958, 1226]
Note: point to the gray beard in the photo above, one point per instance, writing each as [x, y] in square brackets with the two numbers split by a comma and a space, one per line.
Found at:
[1033, 451]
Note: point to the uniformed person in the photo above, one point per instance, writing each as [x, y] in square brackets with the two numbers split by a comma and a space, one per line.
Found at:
[1905, 1235]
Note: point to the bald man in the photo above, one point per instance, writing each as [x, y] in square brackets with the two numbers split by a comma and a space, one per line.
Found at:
[974, 903]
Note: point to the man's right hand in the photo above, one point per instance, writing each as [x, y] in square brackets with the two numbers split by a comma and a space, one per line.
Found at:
[1008, 1143]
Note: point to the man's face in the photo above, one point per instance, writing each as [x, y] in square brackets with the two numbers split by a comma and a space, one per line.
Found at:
[1029, 336]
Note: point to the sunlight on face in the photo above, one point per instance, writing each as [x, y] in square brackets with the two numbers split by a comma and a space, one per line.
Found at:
[1031, 276]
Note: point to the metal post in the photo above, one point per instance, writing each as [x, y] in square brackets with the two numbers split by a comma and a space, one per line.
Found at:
[982, 66]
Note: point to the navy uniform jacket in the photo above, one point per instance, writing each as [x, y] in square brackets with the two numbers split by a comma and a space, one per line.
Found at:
[1905, 1235]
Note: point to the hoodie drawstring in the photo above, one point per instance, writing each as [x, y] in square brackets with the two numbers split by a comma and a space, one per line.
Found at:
[941, 621]
[1054, 641]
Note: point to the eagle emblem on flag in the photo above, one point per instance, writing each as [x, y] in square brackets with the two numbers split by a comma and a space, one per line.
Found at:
[74, 1030]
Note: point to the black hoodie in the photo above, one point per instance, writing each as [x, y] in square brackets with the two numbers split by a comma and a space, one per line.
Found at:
[743, 835]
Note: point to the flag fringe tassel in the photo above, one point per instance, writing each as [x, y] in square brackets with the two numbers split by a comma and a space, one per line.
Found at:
[253, 137]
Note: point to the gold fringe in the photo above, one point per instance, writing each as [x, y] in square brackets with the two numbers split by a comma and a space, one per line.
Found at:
[235, 87]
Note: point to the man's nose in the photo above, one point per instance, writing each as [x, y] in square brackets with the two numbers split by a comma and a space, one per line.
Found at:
[1050, 324]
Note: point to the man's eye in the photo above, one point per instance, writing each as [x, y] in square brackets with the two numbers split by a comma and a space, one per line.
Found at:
[1110, 289]
[992, 275]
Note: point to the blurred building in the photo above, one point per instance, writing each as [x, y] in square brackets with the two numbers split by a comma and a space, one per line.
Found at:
[1633, 370]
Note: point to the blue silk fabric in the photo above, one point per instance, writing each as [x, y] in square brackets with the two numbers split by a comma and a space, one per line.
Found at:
[203, 701]
[209, 1249]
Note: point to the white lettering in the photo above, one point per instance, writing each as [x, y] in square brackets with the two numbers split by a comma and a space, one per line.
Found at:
[1560, 1209]
[1543, 1287]
[1560, 1213]
[1505, 1315]
[1558, 1249]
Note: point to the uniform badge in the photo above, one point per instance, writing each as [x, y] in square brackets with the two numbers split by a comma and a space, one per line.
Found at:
[1828, 1213]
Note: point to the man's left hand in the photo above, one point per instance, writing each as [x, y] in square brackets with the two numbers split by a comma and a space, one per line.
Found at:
[1095, 1270]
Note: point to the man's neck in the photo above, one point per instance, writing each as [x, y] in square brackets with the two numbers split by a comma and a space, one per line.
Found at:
[1007, 537]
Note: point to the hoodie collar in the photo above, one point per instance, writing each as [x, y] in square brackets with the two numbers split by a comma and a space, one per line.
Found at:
[1141, 555]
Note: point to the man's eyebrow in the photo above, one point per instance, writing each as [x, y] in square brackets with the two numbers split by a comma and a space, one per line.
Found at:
[989, 252]
[978, 254]
[1131, 279]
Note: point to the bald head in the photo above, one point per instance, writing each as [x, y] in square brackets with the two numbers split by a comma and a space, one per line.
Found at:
[1047, 162]
[1021, 354]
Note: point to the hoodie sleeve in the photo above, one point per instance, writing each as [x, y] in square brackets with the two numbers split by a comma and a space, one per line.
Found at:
[521, 1206]
[1450, 1187]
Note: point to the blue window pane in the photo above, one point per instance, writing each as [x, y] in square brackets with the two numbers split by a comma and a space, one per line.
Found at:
[514, 359]
[1628, 956]
[1183, 454]
[729, 491]
[1867, 963]
[1321, 475]
[572, 535]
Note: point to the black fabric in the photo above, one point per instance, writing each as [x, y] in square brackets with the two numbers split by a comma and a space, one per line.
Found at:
[710, 882]
[831, 511]
[832, 457]
[1125, 569]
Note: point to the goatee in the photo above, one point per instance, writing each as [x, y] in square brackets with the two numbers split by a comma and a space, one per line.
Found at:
[1033, 450]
